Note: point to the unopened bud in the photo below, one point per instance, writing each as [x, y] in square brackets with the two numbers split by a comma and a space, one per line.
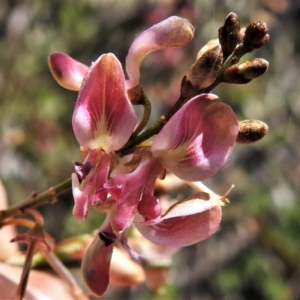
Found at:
[203, 72]
[228, 33]
[256, 35]
[253, 68]
[136, 95]
[241, 34]
[246, 71]
[251, 131]
[209, 45]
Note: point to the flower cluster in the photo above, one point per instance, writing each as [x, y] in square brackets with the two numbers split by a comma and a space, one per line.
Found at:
[193, 143]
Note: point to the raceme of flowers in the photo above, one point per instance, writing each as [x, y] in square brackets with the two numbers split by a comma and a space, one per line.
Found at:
[194, 144]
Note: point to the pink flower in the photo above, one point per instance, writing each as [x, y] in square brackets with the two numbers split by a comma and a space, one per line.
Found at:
[194, 144]
[103, 121]
[186, 222]
[103, 118]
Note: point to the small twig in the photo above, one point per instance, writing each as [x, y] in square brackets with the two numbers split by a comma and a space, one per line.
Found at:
[25, 272]
[17, 221]
[65, 274]
[36, 200]
[146, 116]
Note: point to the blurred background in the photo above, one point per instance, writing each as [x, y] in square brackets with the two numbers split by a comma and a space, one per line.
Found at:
[255, 254]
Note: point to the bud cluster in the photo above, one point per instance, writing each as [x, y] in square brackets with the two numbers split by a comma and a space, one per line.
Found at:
[217, 60]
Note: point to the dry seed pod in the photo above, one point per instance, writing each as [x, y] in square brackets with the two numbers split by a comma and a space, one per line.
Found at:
[229, 33]
[251, 131]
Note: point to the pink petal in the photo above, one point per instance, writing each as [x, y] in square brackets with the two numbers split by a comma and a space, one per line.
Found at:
[6, 232]
[171, 32]
[149, 207]
[127, 190]
[104, 117]
[95, 266]
[185, 223]
[198, 139]
[68, 72]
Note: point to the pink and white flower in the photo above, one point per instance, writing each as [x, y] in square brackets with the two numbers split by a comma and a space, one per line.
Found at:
[194, 144]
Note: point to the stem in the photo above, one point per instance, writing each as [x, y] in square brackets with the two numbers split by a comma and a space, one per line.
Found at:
[38, 199]
[154, 128]
[146, 116]
[26, 269]
[18, 221]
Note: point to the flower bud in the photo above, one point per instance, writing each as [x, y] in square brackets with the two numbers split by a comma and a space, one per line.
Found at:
[246, 71]
[127, 273]
[256, 35]
[251, 131]
[209, 45]
[136, 94]
[229, 33]
[241, 34]
[202, 73]
[156, 276]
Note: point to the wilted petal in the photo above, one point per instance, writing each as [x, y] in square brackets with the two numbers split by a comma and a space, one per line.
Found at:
[6, 232]
[68, 72]
[185, 223]
[41, 285]
[103, 117]
[89, 190]
[198, 139]
[95, 266]
[171, 32]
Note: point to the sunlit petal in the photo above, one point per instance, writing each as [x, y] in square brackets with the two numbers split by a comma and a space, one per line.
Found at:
[185, 223]
[198, 139]
[171, 32]
[103, 117]
[68, 72]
